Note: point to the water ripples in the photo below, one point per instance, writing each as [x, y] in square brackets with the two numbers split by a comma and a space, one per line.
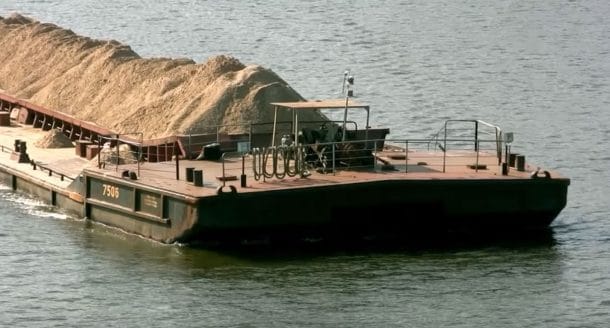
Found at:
[538, 68]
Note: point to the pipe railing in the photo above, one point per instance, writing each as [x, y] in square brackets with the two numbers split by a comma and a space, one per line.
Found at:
[117, 140]
[42, 167]
[476, 132]
[281, 161]
[251, 128]
[38, 165]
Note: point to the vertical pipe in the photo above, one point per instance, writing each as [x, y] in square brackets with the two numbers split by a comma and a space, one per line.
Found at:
[118, 154]
[345, 116]
[250, 137]
[507, 159]
[375, 155]
[477, 163]
[177, 164]
[334, 148]
[188, 152]
[224, 180]
[499, 145]
[296, 122]
[445, 148]
[140, 151]
[99, 153]
[366, 128]
[243, 169]
[476, 136]
[274, 126]
[406, 156]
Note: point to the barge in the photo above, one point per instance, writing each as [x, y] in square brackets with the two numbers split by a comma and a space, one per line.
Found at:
[283, 181]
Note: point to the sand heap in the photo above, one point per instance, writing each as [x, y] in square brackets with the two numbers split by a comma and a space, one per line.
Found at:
[54, 139]
[123, 155]
[107, 83]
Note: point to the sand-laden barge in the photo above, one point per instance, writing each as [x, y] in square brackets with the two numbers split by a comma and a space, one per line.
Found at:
[283, 181]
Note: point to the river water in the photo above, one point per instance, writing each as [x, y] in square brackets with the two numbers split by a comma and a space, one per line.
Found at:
[538, 68]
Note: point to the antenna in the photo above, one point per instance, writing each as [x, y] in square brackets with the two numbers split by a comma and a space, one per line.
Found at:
[348, 83]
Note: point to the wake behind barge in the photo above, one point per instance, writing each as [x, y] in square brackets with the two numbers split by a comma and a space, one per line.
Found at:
[289, 181]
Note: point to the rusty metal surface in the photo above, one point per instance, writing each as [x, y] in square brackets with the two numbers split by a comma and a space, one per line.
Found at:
[162, 175]
[320, 104]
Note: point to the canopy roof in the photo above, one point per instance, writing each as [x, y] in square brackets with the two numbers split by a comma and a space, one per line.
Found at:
[321, 104]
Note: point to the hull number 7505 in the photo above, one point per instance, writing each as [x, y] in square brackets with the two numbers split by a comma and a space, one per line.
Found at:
[110, 191]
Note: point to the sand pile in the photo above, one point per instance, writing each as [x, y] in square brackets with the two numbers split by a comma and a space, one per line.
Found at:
[110, 155]
[107, 83]
[54, 139]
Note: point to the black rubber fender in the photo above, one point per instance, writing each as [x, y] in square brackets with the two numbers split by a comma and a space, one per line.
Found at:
[545, 175]
[220, 190]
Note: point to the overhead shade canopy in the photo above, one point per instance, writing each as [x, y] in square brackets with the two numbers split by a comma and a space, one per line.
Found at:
[343, 104]
[320, 104]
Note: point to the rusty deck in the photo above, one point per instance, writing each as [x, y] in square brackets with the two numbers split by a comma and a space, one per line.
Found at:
[420, 165]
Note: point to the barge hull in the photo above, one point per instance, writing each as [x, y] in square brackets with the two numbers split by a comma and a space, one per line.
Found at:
[395, 209]
[65, 200]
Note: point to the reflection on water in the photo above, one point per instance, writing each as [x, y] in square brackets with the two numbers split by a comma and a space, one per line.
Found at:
[116, 244]
[315, 287]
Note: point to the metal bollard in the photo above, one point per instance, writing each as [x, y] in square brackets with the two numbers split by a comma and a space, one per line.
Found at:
[189, 174]
[198, 178]
[23, 155]
[520, 163]
[512, 158]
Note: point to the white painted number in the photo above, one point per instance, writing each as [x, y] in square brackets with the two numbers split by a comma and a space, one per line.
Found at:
[110, 191]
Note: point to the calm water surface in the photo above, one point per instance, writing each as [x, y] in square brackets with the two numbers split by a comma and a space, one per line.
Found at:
[538, 68]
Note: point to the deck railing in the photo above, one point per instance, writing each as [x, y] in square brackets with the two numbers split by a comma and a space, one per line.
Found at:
[291, 160]
[36, 165]
[255, 135]
[288, 161]
[448, 134]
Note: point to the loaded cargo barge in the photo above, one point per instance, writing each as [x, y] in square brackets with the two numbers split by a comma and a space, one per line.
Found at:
[283, 181]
